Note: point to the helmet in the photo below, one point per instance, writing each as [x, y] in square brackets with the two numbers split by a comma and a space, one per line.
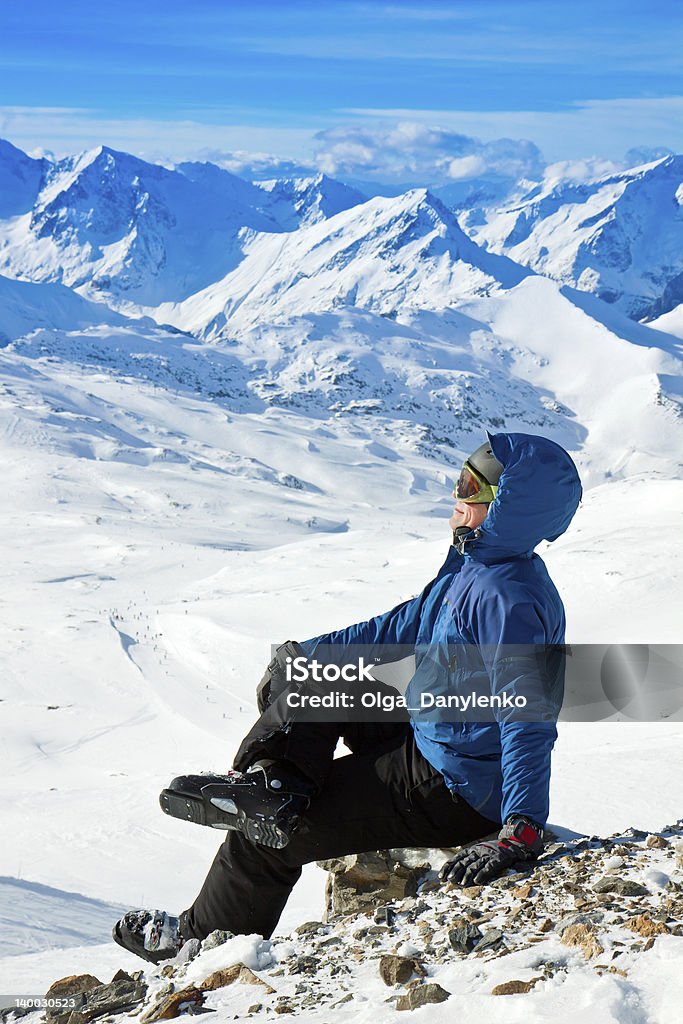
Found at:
[486, 463]
[478, 481]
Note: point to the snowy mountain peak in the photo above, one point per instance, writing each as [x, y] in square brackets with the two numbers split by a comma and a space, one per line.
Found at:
[9, 153]
[226, 186]
[422, 203]
[299, 201]
[619, 235]
[113, 224]
[20, 180]
[384, 255]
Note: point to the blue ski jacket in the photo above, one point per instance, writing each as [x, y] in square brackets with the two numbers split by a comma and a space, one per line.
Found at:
[497, 594]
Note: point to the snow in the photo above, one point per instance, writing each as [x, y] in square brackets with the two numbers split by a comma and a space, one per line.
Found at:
[384, 255]
[670, 323]
[616, 235]
[133, 232]
[25, 306]
[251, 950]
[173, 506]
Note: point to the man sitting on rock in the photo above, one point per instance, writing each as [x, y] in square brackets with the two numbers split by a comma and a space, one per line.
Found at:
[429, 781]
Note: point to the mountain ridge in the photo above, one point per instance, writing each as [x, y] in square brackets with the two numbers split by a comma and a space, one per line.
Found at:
[619, 236]
[380, 255]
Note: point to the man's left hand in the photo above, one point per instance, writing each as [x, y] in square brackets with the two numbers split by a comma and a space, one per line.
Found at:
[519, 840]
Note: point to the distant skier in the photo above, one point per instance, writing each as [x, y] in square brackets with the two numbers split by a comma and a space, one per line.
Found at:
[426, 782]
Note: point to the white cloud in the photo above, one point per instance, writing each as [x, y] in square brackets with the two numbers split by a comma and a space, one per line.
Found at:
[255, 165]
[591, 127]
[428, 148]
[577, 171]
[465, 167]
[413, 152]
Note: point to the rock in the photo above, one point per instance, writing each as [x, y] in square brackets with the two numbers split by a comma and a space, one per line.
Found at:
[305, 965]
[522, 892]
[228, 975]
[255, 1008]
[186, 1001]
[504, 882]
[635, 833]
[385, 915]
[216, 938]
[645, 926]
[655, 842]
[365, 880]
[472, 891]
[116, 997]
[619, 886]
[121, 976]
[420, 995]
[489, 939]
[545, 925]
[465, 938]
[75, 988]
[583, 937]
[679, 855]
[310, 928]
[74, 984]
[188, 951]
[629, 888]
[513, 988]
[396, 970]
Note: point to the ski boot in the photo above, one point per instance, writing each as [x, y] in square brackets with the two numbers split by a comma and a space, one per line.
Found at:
[151, 934]
[264, 803]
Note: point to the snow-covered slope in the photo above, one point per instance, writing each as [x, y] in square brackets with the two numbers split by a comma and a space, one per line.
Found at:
[619, 236]
[671, 322]
[114, 225]
[25, 307]
[287, 202]
[109, 222]
[386, 255]
[147, 567]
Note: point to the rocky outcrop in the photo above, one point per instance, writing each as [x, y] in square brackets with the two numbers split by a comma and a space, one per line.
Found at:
[594, 907]
[364, 880]
[82, 998]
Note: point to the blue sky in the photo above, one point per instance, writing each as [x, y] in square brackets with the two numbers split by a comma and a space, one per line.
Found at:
[328, 82]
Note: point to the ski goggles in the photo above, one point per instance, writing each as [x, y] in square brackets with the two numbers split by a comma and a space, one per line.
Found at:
[473, 488]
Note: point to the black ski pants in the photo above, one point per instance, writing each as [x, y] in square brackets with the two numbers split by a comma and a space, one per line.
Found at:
[382, 795]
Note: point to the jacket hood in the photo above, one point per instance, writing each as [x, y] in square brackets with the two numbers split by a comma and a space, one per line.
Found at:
[538, 493]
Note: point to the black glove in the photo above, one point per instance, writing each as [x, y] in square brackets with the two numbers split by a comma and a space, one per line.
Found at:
[274, 681]
[519, 840]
